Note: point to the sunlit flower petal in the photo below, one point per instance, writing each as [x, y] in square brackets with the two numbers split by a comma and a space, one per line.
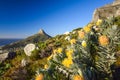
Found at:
[77, 77]
[39, 77]
[103, 40]
[81, 34]
[84, 43]
[98, 22]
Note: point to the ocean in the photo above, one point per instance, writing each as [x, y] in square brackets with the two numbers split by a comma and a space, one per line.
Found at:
[8, 41]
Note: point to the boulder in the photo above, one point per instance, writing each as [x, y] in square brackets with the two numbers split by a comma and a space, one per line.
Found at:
[3, 57]
[23, 62]
[8, 55]
[29, 48]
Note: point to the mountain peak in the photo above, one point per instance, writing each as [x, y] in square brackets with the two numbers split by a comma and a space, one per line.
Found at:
[41, 31]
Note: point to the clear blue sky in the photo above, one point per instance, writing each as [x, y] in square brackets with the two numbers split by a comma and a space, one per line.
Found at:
[22, 18]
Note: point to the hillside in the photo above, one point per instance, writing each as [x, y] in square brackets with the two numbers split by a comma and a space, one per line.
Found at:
[88, 53]
[40, 36]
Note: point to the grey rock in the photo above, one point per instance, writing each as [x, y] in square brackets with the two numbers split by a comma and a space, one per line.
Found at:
[116, 2]
[29, 48]
[23, 62]
[8, 55]
[3, 57]
[107, 11]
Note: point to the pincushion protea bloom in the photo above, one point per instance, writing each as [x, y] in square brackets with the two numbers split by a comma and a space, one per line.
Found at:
[90, 25]
[72, 41]
[69, 53]
[87, 29]
[84, 43]
[98, 22]
[59, 50]
[81, 34]
[78, 77]
[45, 66]
[39, 77]
[67, 62]
[103, 40]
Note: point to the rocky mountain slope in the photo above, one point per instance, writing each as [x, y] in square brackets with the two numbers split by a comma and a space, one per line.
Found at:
[40, 36]
[106, 11]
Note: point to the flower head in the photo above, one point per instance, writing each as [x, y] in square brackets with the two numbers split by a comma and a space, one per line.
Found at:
[72, 41]
[39, 77]
[77, 77]
[45, 66]
[69, 53]
[81, 34]
[59, 50]
[98, 22]
[87, 29]
[90, 25]
[84, 43]
[67, 62]
[103, 40]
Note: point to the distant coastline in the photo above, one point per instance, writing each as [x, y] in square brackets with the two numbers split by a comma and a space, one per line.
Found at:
[5, 41]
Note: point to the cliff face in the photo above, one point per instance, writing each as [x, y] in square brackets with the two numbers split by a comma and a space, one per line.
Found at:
[109, 10]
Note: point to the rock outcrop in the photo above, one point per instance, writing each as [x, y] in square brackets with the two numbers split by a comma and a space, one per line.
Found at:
[41, 31]
[8, 55]
[106, 11]
[29, 48]
[24, 62]
[3, 56]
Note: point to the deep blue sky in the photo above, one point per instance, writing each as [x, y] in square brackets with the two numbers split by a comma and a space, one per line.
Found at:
[22, 18]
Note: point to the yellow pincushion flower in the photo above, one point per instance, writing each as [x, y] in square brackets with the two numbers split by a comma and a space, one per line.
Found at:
[98, 22]
[84, 43]
[87, 29]
[72, 41]
[81, 34]
[90, 25]
[59, 50]
[103, 40]
[39, 77]
[67, 62]
[45, 66]
[78, 77]
[69, 52]
[70, 57]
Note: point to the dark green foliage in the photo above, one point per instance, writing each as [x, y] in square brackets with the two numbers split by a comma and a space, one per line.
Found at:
[41, 45]
[77, 29]
[35, 55]
[4, 67]
[117, 21]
